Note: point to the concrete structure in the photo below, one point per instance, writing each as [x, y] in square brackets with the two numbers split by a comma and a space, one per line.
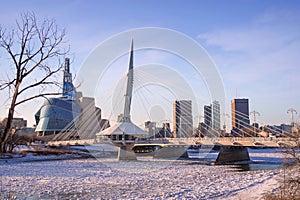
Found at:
[183, 120]
[240, 114]
[170, 151]
[89, 122]
[230, 154]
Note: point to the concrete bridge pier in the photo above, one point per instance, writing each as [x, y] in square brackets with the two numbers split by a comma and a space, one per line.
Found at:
[229, 154]
[172, 152]
[126, 153]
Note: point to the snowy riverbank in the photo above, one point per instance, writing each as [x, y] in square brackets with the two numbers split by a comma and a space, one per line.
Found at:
[90, 178]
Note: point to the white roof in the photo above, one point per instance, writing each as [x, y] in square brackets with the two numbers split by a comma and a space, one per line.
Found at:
[126, 128]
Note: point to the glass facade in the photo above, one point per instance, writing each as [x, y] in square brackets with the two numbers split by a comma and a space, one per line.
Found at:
[56, 114]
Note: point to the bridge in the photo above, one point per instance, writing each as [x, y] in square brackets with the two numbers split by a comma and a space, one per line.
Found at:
[232, 149]
[218, 141]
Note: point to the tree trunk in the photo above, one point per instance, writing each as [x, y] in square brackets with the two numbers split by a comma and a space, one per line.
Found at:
[7, 130]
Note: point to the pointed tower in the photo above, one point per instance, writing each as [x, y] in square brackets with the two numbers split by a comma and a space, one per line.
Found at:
[68, 87]
[124, 134]
[128, 94]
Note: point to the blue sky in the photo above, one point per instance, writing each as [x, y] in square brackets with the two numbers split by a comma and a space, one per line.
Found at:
[255, 44]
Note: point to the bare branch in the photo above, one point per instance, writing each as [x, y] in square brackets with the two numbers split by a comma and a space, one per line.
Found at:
[27, 30]
[37, 96]
[6, 42]
[7, 84]
[42, 81]
[42, 95]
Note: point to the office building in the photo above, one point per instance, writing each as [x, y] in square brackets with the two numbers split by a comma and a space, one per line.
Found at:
[207, 117]
[240, 114]
[183, 120]
[216, 123]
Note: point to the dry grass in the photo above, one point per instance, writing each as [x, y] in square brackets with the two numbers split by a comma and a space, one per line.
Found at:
[46, 151]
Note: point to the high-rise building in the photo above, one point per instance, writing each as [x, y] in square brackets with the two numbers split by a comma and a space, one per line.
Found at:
[207, 116]
[216, 123]
[183, 120]
[240, 114]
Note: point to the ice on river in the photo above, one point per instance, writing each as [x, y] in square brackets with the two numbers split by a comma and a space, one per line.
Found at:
[89, 178]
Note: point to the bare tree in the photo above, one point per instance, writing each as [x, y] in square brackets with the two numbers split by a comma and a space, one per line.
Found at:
[33, 50]
[289, 185]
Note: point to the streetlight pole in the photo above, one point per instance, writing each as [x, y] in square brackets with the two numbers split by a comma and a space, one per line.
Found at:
[254, 119]
[292, 111]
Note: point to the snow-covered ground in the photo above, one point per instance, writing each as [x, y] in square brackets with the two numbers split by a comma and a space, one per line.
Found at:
[59, 177]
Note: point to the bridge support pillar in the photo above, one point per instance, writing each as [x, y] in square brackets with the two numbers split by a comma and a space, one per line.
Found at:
[172, 152]
[229, 154]
[126, 153]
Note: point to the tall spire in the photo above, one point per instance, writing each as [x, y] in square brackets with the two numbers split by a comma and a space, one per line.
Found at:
[131, 55]
[68, 88]
[128, 94]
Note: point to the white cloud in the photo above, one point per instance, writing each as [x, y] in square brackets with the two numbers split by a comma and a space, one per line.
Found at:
[260, 60]
[252, 40]
[259, 48]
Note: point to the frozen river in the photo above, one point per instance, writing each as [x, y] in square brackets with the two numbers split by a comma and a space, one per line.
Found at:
[88, 178]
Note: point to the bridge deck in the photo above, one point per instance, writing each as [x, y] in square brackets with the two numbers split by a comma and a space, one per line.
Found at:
[222, 141]
[239, 141]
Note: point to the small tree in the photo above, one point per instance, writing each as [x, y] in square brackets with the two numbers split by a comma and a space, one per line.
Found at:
[290, 183]
[30, 47]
